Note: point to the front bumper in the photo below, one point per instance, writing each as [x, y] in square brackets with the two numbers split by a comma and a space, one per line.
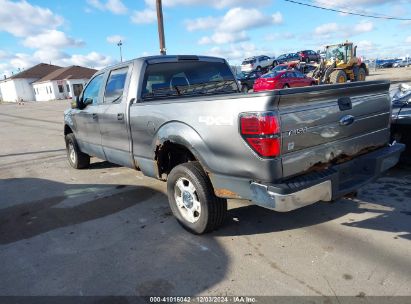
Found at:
[327, 185]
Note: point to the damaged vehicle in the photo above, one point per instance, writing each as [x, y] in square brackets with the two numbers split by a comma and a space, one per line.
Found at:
[247, 80]
[183, 119]
[401, 119]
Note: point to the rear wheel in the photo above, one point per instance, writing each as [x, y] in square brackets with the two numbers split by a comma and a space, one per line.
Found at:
[258, 68]
[76, 158]
[192, 199]
[361, 75]
[244, 88]
[338, 76]
[286, 86]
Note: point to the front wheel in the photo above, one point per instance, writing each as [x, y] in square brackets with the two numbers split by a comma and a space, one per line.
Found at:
[76, 158]
[244, 89]
[192, 199]
[338, 76]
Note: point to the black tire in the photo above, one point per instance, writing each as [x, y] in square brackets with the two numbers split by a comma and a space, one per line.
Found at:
[338, 76]
[244, 88]
[213, 209]
[258, 68]
[76, 158]
[286, 86]
[361, 75]
[307, 60]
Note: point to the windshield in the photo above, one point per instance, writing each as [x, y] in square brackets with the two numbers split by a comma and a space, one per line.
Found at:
[188, 78]
[282, 56]
[271, 74]
[335, 52]
[279, 68]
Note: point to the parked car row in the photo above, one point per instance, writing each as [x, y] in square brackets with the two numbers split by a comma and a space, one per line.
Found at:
[276, 78]
[264, 63]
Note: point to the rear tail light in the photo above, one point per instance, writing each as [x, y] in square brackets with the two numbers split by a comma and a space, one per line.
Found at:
[261, 131]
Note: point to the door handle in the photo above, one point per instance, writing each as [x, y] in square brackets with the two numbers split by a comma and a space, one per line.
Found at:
[95, 116]
[120, 116]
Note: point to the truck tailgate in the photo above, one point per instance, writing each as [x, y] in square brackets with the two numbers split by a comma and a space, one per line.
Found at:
[329, 124]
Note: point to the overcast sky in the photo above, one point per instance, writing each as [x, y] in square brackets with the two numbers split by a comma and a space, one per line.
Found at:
[86, 32]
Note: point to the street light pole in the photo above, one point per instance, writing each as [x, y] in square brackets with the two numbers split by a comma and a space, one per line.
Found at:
[160, 27]
[119, 44]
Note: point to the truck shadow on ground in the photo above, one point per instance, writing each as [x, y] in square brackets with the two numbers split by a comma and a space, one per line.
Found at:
[102, 165]
[58, 238]
[26, 220]
[387, 202]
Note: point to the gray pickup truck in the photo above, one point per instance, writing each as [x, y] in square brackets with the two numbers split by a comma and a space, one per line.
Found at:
[183, 119]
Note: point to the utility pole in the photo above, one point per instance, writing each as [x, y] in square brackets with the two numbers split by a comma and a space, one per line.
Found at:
[119, 44]
[161, 27]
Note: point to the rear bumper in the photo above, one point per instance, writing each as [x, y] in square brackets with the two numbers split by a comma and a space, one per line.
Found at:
[326, 185]
[247, 69]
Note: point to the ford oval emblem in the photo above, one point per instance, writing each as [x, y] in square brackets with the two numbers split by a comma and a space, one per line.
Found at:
[347, 120]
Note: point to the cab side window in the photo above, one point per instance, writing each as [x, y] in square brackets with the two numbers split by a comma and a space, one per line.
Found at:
[115, 85]
[90, 95]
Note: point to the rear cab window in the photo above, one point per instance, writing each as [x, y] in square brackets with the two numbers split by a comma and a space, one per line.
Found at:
[187, 79]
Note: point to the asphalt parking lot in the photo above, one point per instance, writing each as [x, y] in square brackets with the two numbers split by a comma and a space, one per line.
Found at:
[108, 230]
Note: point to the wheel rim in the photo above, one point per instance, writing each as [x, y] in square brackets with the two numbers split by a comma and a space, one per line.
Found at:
[72, 152]
[185, 195]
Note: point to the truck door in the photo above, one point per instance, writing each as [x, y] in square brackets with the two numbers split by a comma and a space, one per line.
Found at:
[113, 123]
[87, 119]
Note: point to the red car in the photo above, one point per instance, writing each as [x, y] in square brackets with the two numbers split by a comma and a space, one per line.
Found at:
[309, 55]
[282, 80]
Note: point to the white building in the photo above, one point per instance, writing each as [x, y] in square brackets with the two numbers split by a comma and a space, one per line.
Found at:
[62, 84]
[19, 86]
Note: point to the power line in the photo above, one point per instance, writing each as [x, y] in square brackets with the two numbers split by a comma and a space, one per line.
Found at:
[347, 8]
[349, 13]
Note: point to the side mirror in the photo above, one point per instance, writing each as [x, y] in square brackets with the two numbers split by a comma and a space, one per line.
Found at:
[78, 103]
[87, 102]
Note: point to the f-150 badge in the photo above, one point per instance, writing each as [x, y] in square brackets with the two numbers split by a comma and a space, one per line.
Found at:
[297, 131]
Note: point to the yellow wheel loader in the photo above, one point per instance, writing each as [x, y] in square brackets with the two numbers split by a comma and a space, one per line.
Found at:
[340, 65]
